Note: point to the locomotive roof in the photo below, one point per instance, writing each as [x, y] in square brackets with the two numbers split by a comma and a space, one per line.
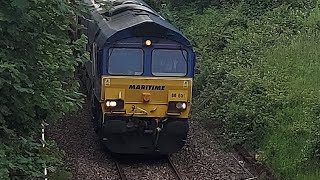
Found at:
[128, 18]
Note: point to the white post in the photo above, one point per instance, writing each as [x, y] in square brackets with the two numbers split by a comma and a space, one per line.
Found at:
[43, 145]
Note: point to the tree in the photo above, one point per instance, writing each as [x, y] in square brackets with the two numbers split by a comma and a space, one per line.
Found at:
[37, 64]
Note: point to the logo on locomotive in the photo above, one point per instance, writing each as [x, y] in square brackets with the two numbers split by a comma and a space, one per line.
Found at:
[147, 87]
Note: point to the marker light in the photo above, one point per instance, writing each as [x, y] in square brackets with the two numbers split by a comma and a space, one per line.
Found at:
[148, 42]
[181, 106]
[111, 103]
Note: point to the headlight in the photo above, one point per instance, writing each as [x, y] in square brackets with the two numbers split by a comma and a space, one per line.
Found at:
[181, 105]
[111, 103]
[177, 107]
[114, 105]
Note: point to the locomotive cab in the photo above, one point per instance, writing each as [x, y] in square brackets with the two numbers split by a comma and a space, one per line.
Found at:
[140, 80]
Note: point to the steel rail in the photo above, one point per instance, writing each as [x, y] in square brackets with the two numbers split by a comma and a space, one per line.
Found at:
[120, 170]
[174, 168]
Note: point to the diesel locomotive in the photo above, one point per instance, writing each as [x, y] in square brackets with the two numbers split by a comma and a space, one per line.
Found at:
[139, 77]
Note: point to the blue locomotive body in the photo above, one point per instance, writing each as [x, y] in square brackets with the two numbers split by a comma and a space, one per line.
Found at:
[139, 77]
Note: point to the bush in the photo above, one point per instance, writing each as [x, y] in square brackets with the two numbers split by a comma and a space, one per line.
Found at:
[230, 51]
[37, 64]
[292, 142]
[256, 76]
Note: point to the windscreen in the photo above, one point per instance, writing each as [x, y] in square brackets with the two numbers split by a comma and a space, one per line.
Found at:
[125, 61]
[168, 62]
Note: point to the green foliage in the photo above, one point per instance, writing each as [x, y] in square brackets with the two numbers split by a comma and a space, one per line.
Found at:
[259, 7]
[37, 64]
[251, 8]
[230, 50]
[257, 77]
[61, 174]
[24, 159]
[292, 144]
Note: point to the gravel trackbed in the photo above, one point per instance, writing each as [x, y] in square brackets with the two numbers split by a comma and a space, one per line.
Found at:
[202, 158]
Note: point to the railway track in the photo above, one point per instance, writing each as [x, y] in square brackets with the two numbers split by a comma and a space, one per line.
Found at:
[119, 169]
[172, 166]
[90, 160]
[175, 170]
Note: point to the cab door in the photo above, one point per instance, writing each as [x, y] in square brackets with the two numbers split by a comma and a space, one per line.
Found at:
[96, 57]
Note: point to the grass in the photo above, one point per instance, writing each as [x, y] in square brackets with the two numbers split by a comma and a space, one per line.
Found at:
[264, 82]
[290, 144]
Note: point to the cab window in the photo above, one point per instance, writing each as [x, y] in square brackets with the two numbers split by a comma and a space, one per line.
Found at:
[168, 62]
[125, 61]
